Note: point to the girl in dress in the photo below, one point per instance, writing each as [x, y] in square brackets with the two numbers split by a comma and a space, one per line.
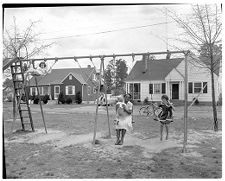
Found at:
[123, 118]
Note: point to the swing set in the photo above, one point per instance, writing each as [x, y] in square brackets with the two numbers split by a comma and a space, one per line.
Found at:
[16, 62]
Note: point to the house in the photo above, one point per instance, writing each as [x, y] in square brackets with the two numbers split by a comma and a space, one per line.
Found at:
[153, 78]
[69, 81]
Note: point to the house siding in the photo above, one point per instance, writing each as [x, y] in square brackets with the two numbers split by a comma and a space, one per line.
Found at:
[92, 96]
[73, 82]
[195, 74]
[145, 89]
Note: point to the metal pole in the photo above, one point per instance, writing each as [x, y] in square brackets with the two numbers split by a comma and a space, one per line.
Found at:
[99, 56]
[96, 113]
[185, 103]
[43, 118]
[103, 66]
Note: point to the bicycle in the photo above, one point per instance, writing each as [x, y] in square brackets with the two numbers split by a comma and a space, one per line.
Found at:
[151, 109]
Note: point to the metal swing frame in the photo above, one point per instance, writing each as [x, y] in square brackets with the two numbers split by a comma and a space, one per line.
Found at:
[186, 52]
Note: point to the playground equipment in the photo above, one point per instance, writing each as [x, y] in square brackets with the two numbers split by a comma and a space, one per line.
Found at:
[102, 75]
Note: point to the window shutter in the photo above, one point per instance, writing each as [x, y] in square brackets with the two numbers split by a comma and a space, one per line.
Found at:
[205, 89]
[66, 90]
[163, 88]
[150, 88]
[190, 87]
[73, 90]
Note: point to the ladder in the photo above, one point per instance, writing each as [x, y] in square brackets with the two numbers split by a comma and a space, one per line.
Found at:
[21, 95]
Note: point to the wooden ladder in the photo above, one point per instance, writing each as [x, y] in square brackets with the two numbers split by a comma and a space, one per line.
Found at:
[21, 94]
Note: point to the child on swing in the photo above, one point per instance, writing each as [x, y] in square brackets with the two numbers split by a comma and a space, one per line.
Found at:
[40, 70]
[166, 115]
[123, 120]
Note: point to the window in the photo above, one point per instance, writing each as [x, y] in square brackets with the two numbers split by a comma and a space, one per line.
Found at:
[157, 89]
[56, 92]
[89, 90]
[70, 90]
[205, 90]
[70, 77]
[150, 88]
[33, 91]
[41, 90]
[197, 87]
[190, 87]
[135, 90]
[163, 88]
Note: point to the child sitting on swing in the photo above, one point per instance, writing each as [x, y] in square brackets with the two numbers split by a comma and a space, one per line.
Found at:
[166, 115]
[40, 70]
[123, 121]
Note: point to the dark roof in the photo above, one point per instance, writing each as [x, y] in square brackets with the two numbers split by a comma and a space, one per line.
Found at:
[157, 69]
[58, 75]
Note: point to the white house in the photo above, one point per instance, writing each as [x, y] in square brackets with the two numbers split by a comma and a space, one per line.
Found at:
[153, 78]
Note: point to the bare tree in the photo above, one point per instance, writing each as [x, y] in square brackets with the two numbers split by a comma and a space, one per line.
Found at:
[202, 34]
[22, 43]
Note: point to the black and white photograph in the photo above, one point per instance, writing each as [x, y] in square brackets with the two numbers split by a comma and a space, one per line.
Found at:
[112, 91]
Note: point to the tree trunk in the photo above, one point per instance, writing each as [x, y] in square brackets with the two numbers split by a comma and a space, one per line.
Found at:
[215, 121]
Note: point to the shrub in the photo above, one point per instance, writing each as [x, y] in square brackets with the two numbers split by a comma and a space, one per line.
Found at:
[146, 101]
[33, 96]
[36, 100]
[78, 98]
[61, 98]
[45, 99]
[196, 101]
[69, 100]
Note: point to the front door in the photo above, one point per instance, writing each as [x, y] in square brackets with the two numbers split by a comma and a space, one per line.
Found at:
[175, 91]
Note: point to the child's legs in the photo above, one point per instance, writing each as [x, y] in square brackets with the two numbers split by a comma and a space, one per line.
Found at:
[123, 135]
[117, 136]
[161, 131]
[167, 131]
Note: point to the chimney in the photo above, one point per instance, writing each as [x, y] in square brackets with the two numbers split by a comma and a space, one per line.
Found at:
[89, 66]
[145, 58]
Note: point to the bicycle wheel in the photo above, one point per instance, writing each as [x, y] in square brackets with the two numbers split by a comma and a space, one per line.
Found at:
[143, 111]
[151, 111]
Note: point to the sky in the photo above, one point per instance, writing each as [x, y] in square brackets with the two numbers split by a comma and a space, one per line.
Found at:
[78, 30]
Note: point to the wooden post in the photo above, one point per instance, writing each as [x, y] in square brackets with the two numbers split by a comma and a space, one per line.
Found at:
[96, 113]
[106, 99]
[43, 118]
[185, 103]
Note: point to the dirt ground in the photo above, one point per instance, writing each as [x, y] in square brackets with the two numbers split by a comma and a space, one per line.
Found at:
[66, 151]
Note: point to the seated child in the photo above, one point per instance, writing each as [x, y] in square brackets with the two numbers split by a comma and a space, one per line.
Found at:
[119, 109]
[40, 70]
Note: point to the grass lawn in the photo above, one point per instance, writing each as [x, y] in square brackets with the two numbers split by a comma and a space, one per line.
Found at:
[66, 151]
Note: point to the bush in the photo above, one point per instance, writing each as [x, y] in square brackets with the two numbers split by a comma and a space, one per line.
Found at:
[69, 100]
[61, 98]
[45, 99]
[36, 100]
[33, 96]
[78, 98]
[146, 101]
[196, 101]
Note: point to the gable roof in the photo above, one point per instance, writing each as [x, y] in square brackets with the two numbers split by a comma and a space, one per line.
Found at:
[157, 69]
[58, 75]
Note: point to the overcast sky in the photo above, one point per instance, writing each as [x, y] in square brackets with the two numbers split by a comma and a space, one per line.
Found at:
[79, 30]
